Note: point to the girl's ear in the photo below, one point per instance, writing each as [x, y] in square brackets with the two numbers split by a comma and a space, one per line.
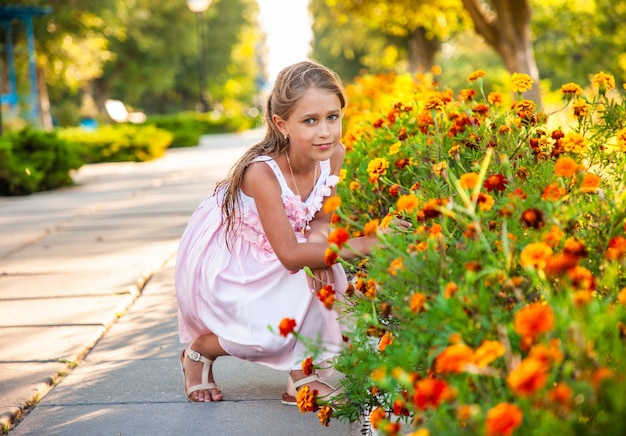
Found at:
[278, 122]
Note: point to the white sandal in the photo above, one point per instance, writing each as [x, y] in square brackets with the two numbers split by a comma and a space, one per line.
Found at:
[206, 368]
[289, 397]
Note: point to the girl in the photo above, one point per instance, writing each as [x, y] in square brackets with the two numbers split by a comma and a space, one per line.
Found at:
[240, 264]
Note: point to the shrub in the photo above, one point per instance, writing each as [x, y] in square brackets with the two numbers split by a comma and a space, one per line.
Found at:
[32, 160]
[503, 309]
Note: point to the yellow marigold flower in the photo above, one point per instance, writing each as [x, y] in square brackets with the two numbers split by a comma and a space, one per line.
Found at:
[417, 302]
[603, 81]
[385, 341]
[454, 358]
[435, 103]
[478, 74]
[407, 203]
[503, 419]
[590, 183]
[324, 415]
[354, 186]
[535, 255]
[485, 202]
[342, 174]
[487, 353]
[306, 399]
[331, 204]
[580, 108]
[377, 167]
[386, 221]
[621, 139]
[495, 98]
[371, 227]
[395, 148]
[528, 377]
[420, 432]
[565, 166]
[533, 320]
[521, 82]
[574, 142]
[571, 90]
[439, 168]
[436, 70]
[468, 180]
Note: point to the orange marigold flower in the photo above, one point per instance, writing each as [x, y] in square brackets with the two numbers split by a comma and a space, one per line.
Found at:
[533, 320]
[581, 278]
[407, 203]
[454, 358]
[330, 257]
[582, 297]
[521, 82]
[396, 265]
[468, 180]
[553, 192]
[377, 416]
[478, 74]
[621, 297]
[436, 70]
[553, 237]
[306, 399]
[565, 166]
[616, 249]
[561, 394]
[590, 183]
[386, 221]
[417, 302]
[503, 419]
[536, 255]
[354, 186]
[450, 289]
[495, 182]
[497, 98]
[571, 90]
[533, 218]
[331, 204]
[547, 354]
[338, 236]
[485, 202]
[603, 81]
[559, 264]
[430, 393]
[529, 376]
[307, 366]
[466, 412]
[385, 341]
[600, 375]
[487, 353]
[286, 326]
[371, 227]
[574, 143]
[327, 296]
[324, 415]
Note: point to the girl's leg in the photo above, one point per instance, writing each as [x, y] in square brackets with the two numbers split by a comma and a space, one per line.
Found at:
[209, 347]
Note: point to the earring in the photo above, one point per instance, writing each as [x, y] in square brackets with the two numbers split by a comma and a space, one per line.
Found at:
[285, 136]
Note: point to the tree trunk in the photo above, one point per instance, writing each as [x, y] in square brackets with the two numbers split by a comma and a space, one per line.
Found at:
[44, 100]
[507, 30]
[422, 51]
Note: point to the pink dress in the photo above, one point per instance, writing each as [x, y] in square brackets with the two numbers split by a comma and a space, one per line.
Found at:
[239, 294]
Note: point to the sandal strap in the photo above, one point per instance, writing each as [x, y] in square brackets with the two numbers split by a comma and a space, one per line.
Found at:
[207, 364]
[306, 380]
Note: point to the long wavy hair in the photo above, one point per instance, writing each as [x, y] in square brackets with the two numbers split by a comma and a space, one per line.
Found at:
[290, 85]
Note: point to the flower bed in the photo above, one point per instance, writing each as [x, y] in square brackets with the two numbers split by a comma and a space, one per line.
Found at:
[503, 309]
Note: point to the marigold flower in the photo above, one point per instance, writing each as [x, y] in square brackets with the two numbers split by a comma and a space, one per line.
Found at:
[450, 289]
[417, 302]
[533, 218]
[435, 103]
[536, 255]
[466, 412]
[286, 326]
[396, 265]
[377, 167]
[561, 394]
[621, 139]
[621, 297]
[331, 204]
[327, 296]
[599, 375]
[571, 90]
[590, 183]
[547, 354]
[407, 203]
[503, 419]
[485, 202]
[525, 109]
[559, 264]
[330, 257]
[580, 108]
[529, 376]
[371, 227]
[324, 415]
[440, 167]
[377, 416]
[468, 180]
[478, 74]
[582, 278]
[454, 358]
[430, 393]
[338, 236]
[306, 399]
[616, 249]
[354, 186]
[487, 353]
[603, 81]
[496, 182]
[307, 366]
[574, 143]
[565, 166]
[386, 221]
[554, 236]
[385, 341]
[533, 320]
[394, 190]
[496, 98]
[521, 82]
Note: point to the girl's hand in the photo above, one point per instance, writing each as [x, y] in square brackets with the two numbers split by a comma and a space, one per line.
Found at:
[321, 277]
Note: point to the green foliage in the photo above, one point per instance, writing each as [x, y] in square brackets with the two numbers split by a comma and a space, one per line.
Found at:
[32, 160]
[119, 143]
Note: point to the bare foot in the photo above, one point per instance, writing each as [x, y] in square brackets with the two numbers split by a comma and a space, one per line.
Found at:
[192, 372]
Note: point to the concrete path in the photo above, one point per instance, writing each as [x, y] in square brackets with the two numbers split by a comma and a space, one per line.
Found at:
[88, 333]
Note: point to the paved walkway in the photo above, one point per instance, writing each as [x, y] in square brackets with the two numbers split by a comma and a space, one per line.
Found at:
[88, 328]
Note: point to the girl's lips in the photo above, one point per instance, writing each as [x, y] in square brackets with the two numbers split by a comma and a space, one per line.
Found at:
[323, 146]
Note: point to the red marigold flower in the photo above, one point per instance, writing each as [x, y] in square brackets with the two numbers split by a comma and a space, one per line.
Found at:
[503, 419]
[330, 257]
[324, 415]
[616, 249]
[496, 182]
[379, 123]
[430, 393]
[529, 376]
[401, 163]
[454, 358]
[559, 264]
[533, 320]
[394, 190]
[327, 296]
[533, 218]
[339, 236]
[286, 326]
[518, 193]
[307, 366]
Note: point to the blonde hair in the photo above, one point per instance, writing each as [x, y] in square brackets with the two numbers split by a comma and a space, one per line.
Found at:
[290, 85]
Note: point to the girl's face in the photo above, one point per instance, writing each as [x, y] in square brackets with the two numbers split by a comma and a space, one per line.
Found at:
[314, 127]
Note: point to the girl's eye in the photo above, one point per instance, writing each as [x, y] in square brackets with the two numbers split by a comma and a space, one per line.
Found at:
[309, 121]
[333, 117]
